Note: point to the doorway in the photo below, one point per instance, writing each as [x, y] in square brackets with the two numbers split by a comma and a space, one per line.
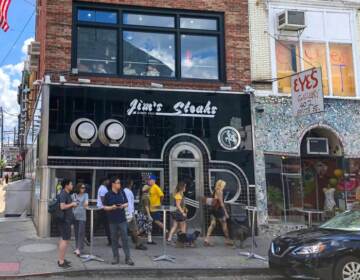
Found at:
[186, 165]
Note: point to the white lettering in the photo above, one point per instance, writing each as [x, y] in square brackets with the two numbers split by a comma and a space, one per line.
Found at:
[186, 109]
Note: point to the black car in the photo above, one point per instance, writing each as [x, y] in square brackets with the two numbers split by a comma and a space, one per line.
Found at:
[328, 252]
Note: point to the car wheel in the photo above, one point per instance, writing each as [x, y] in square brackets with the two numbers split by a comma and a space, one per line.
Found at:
[347, 268]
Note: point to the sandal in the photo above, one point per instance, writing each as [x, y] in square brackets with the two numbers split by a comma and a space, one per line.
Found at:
[229, 243]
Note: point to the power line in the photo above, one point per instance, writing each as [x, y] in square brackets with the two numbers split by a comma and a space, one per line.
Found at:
[17, 39]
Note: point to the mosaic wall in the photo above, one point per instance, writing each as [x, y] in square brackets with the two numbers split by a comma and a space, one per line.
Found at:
[277, 131]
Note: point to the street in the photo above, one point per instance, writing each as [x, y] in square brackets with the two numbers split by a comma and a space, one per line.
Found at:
[250, 277]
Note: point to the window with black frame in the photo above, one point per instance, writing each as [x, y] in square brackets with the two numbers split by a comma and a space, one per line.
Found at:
[173, 44]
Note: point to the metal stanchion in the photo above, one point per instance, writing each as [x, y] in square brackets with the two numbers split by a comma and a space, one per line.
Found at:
[91, 256]
[251, 254]
[164, 256]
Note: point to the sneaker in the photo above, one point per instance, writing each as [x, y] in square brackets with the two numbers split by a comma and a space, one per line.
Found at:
[141, 247]
[151, 242]
[64, 265]
[115, 261]
[129, 261]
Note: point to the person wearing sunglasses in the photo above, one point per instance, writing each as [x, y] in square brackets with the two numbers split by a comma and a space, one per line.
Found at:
[82, 200]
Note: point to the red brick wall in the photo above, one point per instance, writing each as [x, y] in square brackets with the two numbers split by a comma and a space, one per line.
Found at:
[55, 25]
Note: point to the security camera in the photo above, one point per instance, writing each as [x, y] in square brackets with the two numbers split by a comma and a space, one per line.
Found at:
[249, 89]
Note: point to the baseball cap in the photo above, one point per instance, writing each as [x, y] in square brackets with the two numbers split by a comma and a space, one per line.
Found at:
[152, 177]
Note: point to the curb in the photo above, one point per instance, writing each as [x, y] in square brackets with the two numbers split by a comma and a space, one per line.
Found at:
[152, 273]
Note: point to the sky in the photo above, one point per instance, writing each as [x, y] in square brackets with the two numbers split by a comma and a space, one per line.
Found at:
[12, 56]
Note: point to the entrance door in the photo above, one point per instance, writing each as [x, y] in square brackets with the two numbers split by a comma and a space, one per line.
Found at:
[186, 166]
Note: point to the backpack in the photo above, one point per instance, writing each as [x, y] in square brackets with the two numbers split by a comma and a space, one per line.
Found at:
[52, 205]
[54, 209]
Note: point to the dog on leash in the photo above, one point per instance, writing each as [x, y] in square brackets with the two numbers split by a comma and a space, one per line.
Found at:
[187, 239]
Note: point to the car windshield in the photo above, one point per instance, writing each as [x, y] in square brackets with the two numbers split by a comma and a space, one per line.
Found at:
[348, 221]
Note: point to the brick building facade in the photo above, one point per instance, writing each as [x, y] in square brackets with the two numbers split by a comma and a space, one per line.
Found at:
[54, 32]
[133, 88]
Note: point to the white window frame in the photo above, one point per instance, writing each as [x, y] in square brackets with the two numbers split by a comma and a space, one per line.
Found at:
[353, 41]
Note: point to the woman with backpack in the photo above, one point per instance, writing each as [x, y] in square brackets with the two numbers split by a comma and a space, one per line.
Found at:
[219, 213]
[82, 200]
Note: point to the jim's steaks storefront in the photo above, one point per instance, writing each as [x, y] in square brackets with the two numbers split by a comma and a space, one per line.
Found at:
[197, 137]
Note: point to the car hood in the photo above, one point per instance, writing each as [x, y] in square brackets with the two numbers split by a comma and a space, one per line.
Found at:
[312, 235]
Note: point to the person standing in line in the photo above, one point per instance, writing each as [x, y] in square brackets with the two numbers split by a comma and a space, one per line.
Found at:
[82, 200]
[64, 223]
[133, 229]
[179, 216]
[102, 218]
[145, 220]
[218, 213]
[115, 202]
[156, 197]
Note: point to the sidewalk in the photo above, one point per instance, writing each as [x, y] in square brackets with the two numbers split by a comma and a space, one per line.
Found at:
[23, 253]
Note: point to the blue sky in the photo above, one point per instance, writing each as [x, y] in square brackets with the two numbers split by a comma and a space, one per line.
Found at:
[10, 70]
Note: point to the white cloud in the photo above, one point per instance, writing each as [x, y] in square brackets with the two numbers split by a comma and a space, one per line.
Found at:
[10, 78]
[27, 42]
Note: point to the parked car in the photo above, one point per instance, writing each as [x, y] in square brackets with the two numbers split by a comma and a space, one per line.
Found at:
[328, 252]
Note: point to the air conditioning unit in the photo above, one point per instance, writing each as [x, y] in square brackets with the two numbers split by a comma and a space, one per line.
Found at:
[291, 20]
[33, 63]
[317, 146]
[34, 48]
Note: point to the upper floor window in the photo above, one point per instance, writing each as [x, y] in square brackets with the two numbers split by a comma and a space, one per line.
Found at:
[326, 42]
[132, 43]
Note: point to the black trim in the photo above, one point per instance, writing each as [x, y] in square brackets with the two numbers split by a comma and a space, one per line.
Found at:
[177, 31]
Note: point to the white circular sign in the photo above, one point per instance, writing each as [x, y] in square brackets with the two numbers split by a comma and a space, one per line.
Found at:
[229, 138]
[115, 131]
[86, 130]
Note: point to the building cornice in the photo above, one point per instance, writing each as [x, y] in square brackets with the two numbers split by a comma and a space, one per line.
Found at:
[340, 4]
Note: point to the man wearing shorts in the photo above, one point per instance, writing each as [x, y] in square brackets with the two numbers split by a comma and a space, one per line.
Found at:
[156, 197]
[64, 224]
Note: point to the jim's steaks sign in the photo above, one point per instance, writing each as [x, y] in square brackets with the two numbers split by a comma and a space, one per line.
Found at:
[183, 109]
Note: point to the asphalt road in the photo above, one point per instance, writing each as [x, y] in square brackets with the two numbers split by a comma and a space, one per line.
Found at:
[249, 277]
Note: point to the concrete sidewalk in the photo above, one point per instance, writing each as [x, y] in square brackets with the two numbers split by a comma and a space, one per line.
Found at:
[23, 253]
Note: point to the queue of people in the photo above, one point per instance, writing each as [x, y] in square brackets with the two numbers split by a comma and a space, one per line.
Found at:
[116, 214]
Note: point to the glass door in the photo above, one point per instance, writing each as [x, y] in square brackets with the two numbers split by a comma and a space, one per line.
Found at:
[186, 166]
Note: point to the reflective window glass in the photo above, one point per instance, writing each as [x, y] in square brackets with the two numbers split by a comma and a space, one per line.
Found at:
[199, 57]
[315, 56]
[287, 63]
[148, 20]
[198, 23]
[97, 50]
[342, 70]
[149, 54]
[97, 16]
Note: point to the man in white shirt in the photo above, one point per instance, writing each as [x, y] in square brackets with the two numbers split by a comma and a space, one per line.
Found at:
[130, 216]
[102, 218]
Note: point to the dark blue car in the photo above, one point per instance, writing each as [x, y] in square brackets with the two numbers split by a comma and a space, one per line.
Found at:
[328, 252]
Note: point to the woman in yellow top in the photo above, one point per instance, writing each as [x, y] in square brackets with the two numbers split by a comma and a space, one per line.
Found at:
[179, 217]
[218, 213]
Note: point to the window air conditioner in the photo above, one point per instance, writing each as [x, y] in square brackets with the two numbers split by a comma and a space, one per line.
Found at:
[34, 48]
[317, 146]
[34, 63]
[291, 20]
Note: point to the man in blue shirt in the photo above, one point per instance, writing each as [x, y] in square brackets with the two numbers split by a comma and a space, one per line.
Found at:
[115, 202]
